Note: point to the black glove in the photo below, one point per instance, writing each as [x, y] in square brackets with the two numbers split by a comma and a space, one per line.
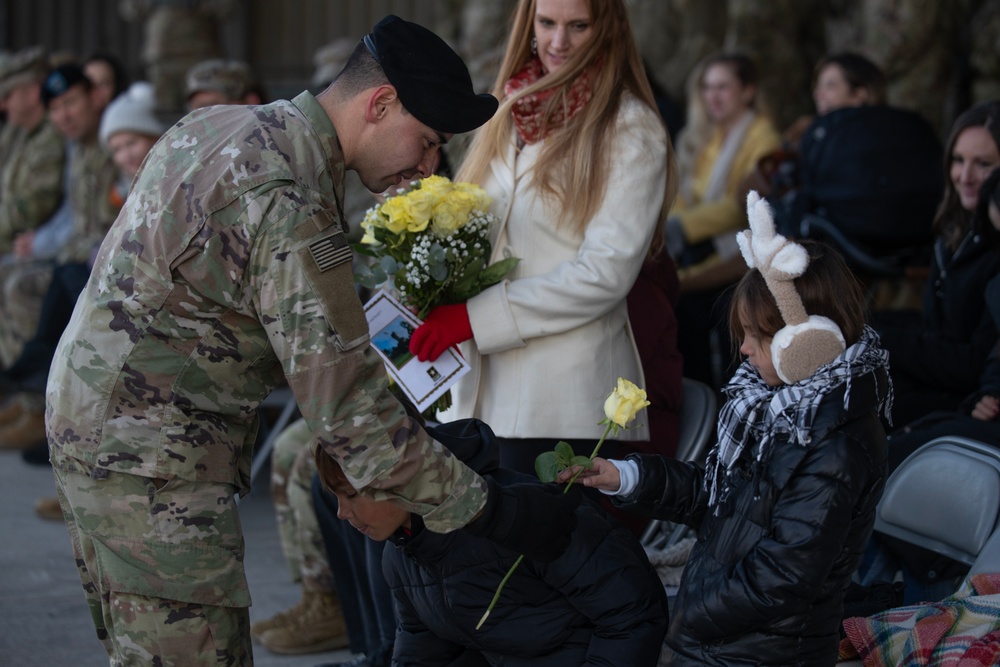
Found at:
[532, 519]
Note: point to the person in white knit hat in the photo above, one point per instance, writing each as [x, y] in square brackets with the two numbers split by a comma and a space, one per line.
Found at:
[129, 128]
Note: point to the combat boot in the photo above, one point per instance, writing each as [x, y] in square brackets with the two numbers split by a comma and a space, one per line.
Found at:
[48, 508]
[320, 628]
[285, 617]
[27, 431]
[10, 412]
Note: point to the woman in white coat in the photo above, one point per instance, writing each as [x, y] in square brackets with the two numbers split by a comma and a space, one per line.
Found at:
[580, 170]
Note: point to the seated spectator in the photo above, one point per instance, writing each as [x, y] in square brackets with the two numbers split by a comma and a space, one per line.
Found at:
[31, 177]
[75, 111]
[937, 354]
[108, 75]
[840, 81]
[599, 603]
[927, 575]
[218, 81]
[727, 132]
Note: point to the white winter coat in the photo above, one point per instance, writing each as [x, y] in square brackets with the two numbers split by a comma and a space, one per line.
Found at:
[550, 341]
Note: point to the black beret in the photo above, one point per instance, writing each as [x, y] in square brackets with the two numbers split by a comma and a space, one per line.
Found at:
[62, 79]
[431, 79]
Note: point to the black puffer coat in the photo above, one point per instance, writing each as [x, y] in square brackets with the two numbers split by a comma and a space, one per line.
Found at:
[600, 603]
[765, 582]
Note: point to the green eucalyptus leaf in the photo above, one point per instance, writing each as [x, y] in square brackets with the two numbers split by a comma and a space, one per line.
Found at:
[364, 249]
[564, 453]
[584, 462]
[389, 265]
[495, 272]
[546, 467]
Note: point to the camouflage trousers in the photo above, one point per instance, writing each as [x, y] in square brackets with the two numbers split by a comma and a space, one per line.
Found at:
[161, 564]
[292, 468]
[22, 288]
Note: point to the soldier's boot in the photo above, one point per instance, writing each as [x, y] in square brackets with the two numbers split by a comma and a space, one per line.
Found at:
[25, 432]
[48, 508]
[10, 411]
[285, 617]
[319, 628]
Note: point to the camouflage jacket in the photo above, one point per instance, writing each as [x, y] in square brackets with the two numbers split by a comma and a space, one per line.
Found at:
[228, 267]
[31, 183]
[91, 186]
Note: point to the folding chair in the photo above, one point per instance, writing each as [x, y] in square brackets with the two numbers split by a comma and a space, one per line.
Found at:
[945, 497]
[697, 424]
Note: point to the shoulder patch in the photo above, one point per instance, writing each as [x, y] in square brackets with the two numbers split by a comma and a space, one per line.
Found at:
[331, 251]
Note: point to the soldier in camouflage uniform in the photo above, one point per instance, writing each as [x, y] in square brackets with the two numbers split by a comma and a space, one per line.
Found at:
[220, 81]
[177, 35]
[31, 179]
[226, 270]
[76, 113]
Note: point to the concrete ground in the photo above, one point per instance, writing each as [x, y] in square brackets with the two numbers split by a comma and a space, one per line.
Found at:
[44, 621]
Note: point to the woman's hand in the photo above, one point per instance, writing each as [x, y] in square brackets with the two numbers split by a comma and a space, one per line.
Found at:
[986, 409]
[603, 475]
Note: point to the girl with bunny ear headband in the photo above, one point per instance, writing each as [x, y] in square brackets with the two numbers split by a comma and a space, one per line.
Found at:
[786, 499]
[806, 342]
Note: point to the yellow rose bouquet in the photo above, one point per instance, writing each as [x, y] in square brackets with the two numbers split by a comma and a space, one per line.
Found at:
[432, 243]
[620, 409]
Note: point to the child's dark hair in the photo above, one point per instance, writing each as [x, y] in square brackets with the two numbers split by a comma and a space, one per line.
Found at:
[330, 473]
[827, 288]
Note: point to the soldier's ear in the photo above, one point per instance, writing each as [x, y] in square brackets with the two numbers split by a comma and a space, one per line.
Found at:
[379, 101]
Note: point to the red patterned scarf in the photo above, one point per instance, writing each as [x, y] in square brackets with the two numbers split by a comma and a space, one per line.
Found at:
[529, 121]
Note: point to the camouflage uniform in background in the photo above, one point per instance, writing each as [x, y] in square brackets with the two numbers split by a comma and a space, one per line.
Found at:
[984, 52]
[292, 467]
[914, 42]
[177, 35]
[785, 38]
[226, 269]
[91, 179]
[31, 184]
[674, 35]
[9, 135]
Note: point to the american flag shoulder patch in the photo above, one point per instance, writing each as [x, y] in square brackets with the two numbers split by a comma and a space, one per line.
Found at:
[331, 251]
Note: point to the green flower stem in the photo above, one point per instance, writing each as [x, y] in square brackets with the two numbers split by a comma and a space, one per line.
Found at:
[503, 582]
[496, 596]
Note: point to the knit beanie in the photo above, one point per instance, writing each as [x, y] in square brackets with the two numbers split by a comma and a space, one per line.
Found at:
[132, 111]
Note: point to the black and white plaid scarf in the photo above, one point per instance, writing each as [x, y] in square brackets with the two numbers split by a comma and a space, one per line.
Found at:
[757, 411]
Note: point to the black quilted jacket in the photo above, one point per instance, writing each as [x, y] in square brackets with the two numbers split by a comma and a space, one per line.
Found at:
[765, 582]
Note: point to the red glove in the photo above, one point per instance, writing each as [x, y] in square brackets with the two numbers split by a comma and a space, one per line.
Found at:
[445, 326]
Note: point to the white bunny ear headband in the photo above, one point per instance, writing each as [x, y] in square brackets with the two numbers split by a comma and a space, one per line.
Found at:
[806, 342]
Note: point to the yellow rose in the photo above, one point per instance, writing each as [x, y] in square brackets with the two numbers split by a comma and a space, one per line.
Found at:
[398, 214]
[421, 203]
[477, 197]
[624, 403]
[438, 185]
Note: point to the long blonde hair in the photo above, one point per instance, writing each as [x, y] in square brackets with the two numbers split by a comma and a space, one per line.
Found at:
[699, 128]
[574, 162]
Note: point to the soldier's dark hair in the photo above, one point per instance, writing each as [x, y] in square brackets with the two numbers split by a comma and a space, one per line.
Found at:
[360, 73]
[859, 72]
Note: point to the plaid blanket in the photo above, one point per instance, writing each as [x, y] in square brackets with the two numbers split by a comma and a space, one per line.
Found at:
[962, 630]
